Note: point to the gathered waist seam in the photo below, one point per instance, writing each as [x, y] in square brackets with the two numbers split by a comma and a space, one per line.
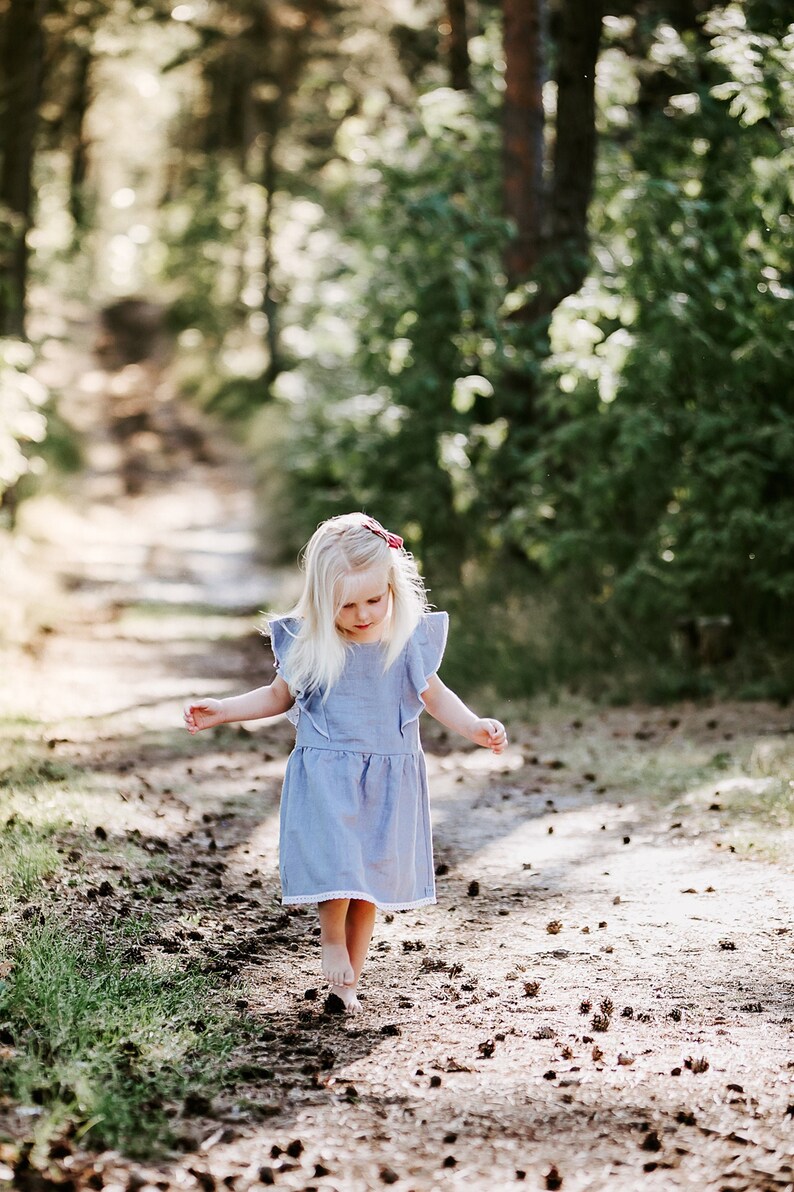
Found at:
[361, 752]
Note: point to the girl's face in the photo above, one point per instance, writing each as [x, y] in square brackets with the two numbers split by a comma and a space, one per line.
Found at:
[366, 605]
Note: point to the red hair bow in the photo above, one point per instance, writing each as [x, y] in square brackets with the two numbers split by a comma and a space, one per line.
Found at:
[393, 540]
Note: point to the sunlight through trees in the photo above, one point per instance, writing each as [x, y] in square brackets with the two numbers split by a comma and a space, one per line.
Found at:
[516, 276]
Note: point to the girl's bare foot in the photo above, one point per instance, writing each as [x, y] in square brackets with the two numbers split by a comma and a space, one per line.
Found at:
[337, 969]
[347, 996]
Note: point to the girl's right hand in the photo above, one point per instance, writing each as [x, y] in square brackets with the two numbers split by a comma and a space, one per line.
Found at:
[491, 734]
[205, 713]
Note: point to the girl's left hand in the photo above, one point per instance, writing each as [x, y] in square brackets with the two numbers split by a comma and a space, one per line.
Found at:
[491, 734]
[201, 714]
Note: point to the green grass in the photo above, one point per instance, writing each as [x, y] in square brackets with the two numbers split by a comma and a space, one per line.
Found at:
[104, 1049]
[95, 1045]
[524, 635]
[27, 857]
[30, 772]
[36, 793]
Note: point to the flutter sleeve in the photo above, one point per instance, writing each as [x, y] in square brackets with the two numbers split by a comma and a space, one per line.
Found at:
[424, 653]
[283, 632]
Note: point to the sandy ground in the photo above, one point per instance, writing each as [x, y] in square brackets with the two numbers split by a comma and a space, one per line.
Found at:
[603, 996]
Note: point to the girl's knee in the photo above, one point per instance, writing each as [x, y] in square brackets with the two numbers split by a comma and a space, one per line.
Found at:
[362, 906]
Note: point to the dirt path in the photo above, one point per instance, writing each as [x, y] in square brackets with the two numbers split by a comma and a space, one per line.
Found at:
[603, 996]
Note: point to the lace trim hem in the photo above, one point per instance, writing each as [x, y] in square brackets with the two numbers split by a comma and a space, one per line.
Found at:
[308, 899]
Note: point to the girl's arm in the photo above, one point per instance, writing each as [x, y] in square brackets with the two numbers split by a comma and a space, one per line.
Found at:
[444, 706]
[253, 705]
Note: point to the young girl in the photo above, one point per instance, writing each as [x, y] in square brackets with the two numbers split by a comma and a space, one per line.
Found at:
[357, 662]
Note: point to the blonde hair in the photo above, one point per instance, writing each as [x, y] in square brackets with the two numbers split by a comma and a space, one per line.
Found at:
[340, 549]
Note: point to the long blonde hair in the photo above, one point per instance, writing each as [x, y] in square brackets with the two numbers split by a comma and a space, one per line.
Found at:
[340, 548]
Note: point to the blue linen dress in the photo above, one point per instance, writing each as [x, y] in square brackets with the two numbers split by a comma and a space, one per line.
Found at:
[355, 816]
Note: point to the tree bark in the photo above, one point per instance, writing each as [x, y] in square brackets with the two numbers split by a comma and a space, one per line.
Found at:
[79, 163]
[23, 61]
[295, 52]
[270, 306]
[524, 198]
[458, 45]
[575, 143]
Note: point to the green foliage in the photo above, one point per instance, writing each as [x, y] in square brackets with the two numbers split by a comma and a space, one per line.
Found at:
[332, 244]
[661, 480]
[593, 481]
[33, 436]
[202, 234]
[23, 425]
[401, 427]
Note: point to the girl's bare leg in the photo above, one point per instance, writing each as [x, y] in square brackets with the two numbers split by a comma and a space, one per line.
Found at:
[337, 967]
[359, 922]
[358, 931]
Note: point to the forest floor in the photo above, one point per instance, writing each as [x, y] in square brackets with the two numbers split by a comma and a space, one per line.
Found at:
[603, 996]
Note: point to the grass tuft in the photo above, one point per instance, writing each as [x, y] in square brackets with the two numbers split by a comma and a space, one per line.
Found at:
[31, 772]
[27, 857]
[104, 1049]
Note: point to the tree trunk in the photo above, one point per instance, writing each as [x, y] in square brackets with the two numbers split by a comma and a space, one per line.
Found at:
[270, 306]
[458, 45]
[524, 200]
[575, 144]
[294, 56]
[23, 68]
[79, 163]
